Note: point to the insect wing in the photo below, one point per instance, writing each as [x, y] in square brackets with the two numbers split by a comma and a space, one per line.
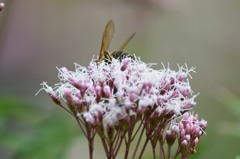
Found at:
[126, 42]
[107, 37]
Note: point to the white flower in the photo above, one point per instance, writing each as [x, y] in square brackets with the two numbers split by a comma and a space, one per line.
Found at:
[119, 89]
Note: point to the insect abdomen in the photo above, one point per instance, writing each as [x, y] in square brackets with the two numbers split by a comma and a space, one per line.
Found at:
[121, 55]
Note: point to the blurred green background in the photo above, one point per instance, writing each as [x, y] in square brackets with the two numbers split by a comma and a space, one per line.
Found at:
[36, 36]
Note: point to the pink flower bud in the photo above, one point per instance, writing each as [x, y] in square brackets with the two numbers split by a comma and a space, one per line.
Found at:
[183, 133]
[184, 143]
[68, 96]
[188, 128]
[69, 99]
[199, 133]
[125, 63]
[107, 91]
[147, 86]
[188, 104]
[181, 127]
[79, 104]
[174, 129]
[170, 137]
[195, 129]
[74, 82]
[181, 76]
[89, 118]
[203, 124]
[195, 142]
[162, 99]
[188, 137]
[91, 88]
[185, 92]
[185, 116]
[173, 80]
[83, 87]
[55, 99]
[96, 110]
[98, 92]
[168, 133]
[195, 117]
[133, 96]
[128, 104]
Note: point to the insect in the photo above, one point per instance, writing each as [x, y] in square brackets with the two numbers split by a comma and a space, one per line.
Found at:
[106, 39]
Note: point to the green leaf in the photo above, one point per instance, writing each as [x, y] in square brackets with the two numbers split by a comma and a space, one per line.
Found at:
[28, 131]
[230, 101]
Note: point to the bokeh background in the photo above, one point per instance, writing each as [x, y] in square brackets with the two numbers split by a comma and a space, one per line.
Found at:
[36, 36]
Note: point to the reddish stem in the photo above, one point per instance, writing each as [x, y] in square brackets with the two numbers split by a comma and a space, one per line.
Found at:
[139, 140]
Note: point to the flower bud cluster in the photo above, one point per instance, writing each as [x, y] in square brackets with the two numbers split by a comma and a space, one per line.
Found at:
[188, 133]
[104, 93]
[191, 129]
[116, 95]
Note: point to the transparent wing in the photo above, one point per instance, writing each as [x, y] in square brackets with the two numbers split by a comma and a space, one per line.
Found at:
[107, 38]
[126, 42]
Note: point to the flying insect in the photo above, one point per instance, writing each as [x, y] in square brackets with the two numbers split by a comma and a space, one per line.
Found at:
[107, 56]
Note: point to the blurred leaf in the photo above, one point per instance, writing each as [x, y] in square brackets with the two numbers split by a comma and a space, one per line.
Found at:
[230, 128]
[230, 101]
[232, 104]
[29, 131]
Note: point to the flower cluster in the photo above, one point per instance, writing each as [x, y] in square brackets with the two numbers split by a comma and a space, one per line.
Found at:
[109, 99]
[188, 132]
